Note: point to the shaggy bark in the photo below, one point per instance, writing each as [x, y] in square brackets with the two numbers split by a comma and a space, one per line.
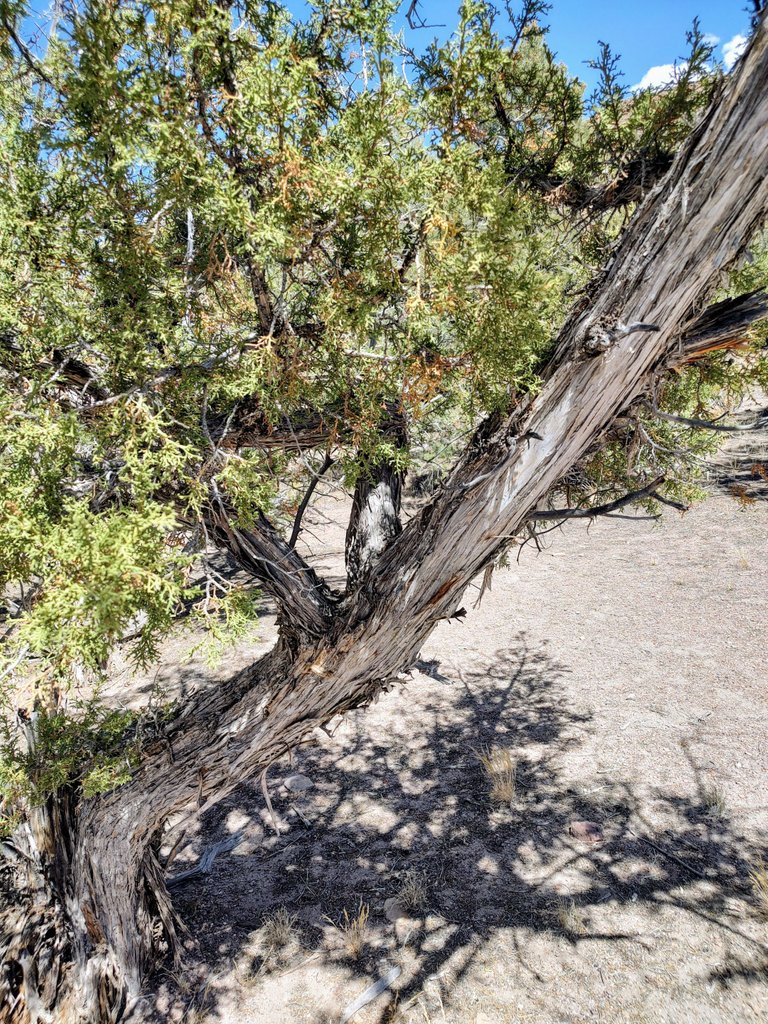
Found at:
[723, 325]
[82, 882]
[305, 602]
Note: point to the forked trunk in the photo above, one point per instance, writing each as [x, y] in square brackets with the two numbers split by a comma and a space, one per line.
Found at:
[85, 908]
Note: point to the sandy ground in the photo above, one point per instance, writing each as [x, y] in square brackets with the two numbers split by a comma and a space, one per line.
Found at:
[625, 668]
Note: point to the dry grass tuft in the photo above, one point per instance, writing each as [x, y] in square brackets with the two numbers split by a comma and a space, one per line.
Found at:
[569, 917]
[741, 493]
[743, 560]
[715, 802]
[758, 878]
[277, 931]
[354, 930]
[500, 766]
[412, 894]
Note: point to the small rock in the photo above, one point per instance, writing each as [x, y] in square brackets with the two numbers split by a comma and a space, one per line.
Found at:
[586, 831]
[298, 783]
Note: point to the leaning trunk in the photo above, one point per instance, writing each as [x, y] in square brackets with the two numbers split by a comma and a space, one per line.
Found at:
[84, 910]
[83, 888]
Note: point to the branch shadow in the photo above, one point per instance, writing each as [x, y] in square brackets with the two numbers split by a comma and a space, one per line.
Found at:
[740, 468]
[404, 798]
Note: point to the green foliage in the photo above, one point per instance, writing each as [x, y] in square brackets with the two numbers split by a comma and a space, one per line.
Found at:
[652, 123]
[229, 615]
[90, 747]
[251, 483]
[100, 572]
[219, 221]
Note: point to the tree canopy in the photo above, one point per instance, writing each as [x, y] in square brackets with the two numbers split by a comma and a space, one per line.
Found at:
[240, 250]
[237, 246]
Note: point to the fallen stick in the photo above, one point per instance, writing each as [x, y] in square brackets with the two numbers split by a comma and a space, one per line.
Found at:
[205, 863]
[370, 994]
[303, 817]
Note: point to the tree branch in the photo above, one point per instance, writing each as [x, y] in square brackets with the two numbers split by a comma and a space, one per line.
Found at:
[26, 53]
[722, 325]
[634, 182]
[599, 510]
[706, 424]
[305, 602]
[327, 463]
[305, 429]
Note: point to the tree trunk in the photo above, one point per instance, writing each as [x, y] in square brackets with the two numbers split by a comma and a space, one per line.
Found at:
[82, 887]
[59, 964]
[375, 518]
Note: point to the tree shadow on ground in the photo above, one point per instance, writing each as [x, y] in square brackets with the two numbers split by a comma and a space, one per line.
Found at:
[405, 798]
[740, 469]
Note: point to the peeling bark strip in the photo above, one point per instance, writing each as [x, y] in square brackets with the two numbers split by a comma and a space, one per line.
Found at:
[723, 325]
[82, 889]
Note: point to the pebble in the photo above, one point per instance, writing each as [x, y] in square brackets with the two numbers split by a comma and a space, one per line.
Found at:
[586, 831]
[298, 783]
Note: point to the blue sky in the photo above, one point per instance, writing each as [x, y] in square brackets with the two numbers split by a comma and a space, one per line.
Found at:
[647, 34]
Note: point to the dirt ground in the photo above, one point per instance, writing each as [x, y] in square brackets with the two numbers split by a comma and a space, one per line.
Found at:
[624, 666]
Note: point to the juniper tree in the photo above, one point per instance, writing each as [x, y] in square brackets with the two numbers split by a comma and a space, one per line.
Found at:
[240, 251]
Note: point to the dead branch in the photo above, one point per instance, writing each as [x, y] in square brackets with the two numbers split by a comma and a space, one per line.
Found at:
[205, 864]
[601, 510]
[327, 463]
[697, 424]
[666, 853]
[722, 325]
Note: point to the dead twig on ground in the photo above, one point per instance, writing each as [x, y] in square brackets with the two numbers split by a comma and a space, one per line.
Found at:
[205, 864]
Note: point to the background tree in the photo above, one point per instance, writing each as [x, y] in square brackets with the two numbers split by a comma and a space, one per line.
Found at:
[240, 251]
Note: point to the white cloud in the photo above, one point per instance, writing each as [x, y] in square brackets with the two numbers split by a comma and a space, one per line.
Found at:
[659, 76]
[662, 75]
[732, 50]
